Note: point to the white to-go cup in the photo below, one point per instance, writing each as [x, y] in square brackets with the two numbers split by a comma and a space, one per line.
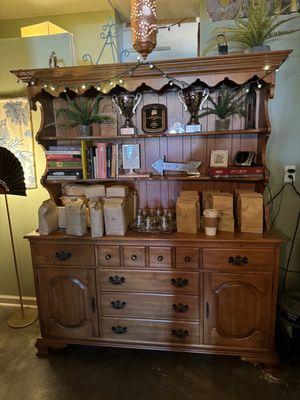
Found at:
[211, 221]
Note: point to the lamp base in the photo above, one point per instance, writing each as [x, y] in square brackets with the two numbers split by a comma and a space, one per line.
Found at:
[17, 320]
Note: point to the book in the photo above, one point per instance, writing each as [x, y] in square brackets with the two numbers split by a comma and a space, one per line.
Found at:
[236, 171]
[62, 152]
[64, 148]
[108, 159]
[63, 157]
[84, 159]
[102, 161]
[113, 161]
[63, 178]
[64, 164]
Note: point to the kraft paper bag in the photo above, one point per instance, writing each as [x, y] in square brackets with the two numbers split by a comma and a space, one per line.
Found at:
[187, 215]
[239, 194]
[97, 219]
[117, 191]
[251, 214]
[48, 217]
[76, 221]
[95, 191]
[226, 224]
[62, 217]
[192, 195]
[223, 202]
[74, 189]
[115, 218]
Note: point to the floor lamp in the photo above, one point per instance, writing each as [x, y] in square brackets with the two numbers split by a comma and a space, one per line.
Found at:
[12, 182]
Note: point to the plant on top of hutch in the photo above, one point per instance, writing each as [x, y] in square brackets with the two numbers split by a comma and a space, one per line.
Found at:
[165, 291]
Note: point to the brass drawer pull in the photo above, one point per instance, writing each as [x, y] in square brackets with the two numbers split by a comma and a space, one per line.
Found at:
[63, 255]
[119, 330]
[179, 282]
[182, 308]
[116, 280]
[118, 304]
[160, 258]
[134, 257]
[108, 257]
[180, 333]
[187, 259]
[238, 260]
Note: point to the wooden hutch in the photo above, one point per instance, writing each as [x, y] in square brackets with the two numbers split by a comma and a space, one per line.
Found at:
[128, 291]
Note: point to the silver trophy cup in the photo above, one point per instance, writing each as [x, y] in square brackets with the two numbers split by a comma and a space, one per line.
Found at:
[127, 103]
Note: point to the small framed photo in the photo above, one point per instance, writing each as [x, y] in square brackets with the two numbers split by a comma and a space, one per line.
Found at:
[219, 158]
[131, 156]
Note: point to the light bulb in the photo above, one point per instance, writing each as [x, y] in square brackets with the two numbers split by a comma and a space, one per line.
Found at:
[83, 86]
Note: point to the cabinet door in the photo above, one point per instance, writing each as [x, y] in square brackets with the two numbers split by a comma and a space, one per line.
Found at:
[68, 302]
[237, 309]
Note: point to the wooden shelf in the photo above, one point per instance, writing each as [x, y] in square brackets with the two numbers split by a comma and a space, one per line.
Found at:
[161, 178]
[261, 131]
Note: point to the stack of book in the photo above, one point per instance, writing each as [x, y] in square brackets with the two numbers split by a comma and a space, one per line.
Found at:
[101, 161]
[236, 172]
[64, 163]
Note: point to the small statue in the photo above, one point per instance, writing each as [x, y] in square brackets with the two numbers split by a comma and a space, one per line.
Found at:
[53, 60]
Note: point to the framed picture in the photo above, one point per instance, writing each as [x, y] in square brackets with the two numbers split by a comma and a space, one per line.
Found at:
[131, 156]
[219, 158]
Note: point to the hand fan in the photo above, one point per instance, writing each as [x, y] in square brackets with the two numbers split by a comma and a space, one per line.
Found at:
[12, 181]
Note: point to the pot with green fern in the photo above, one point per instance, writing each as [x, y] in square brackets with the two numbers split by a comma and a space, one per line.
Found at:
[83, 112]
[229, 102]
[261, 26]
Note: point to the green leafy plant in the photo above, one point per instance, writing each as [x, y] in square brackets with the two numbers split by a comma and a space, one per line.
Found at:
[229, 102]
[264, 17]
[82, 111]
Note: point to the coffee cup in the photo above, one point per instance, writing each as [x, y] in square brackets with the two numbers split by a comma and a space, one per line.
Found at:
[210, 221]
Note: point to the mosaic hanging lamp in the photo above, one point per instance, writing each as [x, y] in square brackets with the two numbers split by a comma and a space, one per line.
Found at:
[144, 26]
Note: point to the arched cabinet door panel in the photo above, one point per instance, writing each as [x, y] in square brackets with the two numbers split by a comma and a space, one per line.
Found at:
[68, 302]
[237, 310]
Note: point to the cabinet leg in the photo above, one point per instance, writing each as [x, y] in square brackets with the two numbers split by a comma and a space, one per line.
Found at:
[44, 347]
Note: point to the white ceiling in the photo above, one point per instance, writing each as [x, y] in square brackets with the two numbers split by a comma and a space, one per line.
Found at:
[166, 9]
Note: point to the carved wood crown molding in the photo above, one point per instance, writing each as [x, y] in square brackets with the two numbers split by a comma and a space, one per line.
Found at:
[238, 67]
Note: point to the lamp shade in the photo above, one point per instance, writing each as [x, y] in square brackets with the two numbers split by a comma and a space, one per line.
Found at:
[12, 179]
[144, 26]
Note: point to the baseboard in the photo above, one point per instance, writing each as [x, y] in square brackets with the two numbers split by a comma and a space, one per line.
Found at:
[14, 301]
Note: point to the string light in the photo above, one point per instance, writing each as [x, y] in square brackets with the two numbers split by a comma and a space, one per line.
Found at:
[151, 66]
[259, 85]
[121, 81]
[266, 67]
[45, 85]
[111, 83]
[98, 88]
[52, 88]
[83, 86]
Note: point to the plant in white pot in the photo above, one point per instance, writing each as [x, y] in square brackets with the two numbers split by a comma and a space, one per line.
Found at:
[229, 102]
[83, 112]
[261, 26]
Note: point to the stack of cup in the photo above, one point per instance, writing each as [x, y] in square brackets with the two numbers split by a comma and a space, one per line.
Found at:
[211, 221]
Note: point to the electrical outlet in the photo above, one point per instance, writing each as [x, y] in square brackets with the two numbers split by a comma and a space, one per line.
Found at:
[287, 168]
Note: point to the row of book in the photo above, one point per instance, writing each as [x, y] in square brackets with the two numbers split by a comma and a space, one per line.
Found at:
[237, 172]
[64, 163]
[101, 161]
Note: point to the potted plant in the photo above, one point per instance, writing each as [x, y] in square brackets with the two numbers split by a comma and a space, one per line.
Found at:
[83, 112]
[264, 17]
[229, 102]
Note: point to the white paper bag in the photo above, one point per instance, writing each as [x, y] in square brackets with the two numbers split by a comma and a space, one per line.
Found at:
[48, 217]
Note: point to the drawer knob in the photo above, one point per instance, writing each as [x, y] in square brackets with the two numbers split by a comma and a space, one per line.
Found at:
[63, 255]
[133, 257]
[160, 258]
[187, 259]
[118, 304]
[119, 330]
[108, 257]
[179, 282]
[180, 307]
[238, 260]
[116, 280]
[180, 333]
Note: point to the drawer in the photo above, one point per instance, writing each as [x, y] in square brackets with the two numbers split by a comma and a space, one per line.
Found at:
[187, 257]
[122, 304]
[239, 259]
[150, 281]
[160, 257]
[62, 254]
[150, 331]
[109, 256]
[134, 256]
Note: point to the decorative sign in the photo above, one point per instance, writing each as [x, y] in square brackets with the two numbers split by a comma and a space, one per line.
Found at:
[131, 157]
[154, 118]
[190, 167]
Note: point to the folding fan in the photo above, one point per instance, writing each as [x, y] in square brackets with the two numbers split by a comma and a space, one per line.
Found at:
[12, 182]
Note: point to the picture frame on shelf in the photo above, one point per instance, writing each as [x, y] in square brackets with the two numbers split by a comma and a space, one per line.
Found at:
[131, 158]
[219, 158]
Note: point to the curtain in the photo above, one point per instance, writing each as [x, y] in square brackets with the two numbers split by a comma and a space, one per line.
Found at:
[16, 135]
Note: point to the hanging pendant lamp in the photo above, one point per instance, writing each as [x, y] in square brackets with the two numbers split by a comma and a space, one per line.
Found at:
[144, 26]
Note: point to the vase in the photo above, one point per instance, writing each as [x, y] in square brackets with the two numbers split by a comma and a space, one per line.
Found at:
[85, 130]
[258, 49]
[222, 124]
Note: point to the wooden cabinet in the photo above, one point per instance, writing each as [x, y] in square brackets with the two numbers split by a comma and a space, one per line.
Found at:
[68, 304]
[203, 304]
[237, 309]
